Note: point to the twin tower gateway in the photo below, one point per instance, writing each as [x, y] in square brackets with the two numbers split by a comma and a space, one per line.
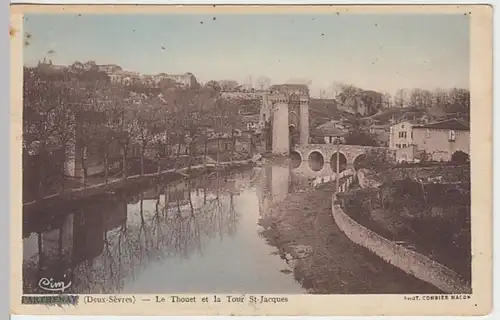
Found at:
[285, 117]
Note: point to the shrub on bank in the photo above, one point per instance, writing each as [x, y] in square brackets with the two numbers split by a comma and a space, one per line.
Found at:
[460, 157]
[434, 218]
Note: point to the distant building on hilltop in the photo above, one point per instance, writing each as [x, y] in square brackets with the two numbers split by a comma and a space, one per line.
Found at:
[49, 65]
[124, 77]
[110, 68]
[228, 85]
[186, 80]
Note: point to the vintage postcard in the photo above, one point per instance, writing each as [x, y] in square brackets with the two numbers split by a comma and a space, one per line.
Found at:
[251, 160]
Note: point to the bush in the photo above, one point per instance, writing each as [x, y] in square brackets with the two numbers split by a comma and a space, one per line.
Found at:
[360, 139]
[460, 157]
[377, 160]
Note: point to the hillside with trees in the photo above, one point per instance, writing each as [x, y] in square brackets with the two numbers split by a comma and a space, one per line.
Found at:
[79, 108]
[382, 107]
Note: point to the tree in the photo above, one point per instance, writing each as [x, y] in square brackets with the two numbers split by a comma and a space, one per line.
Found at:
[460, 157]
[345, 92]
[77, 67]
[401, 98]
[47, 120]
[387, 100]
[459, 102]
[90, 118]
[148, 126]
[360, 138]
[375, 159]
[125, 130]
[90, 65]
[110, 131]
[440, 98]
[420, 99]
[166, 83]
[232, 118]
[214, 85]
[371, 100]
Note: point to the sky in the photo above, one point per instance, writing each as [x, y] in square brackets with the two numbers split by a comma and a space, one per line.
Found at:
[371, 51]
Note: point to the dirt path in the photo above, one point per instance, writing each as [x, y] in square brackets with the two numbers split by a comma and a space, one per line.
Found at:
[323, 259]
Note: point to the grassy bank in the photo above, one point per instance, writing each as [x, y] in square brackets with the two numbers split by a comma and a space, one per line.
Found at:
[322, 258]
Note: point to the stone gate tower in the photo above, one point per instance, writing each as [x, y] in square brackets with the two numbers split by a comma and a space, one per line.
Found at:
[284, 112]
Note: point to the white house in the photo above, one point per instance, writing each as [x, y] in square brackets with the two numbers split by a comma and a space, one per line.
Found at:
[401, 135]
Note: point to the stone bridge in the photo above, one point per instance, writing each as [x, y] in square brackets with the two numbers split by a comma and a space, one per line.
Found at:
[322, 158]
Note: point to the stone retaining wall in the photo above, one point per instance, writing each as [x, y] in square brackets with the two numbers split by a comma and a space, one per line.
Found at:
[407, 260]
[321, 180]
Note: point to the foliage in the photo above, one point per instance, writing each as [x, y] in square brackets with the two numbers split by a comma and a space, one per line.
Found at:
[434, 218]
[358, 101]
[460, 157]
[79, 107]
[360, 138]
[438, 102]
[214, 85]
[404, 104]
[375, 159]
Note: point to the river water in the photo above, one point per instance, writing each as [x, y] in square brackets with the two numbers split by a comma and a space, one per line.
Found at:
[194, 236]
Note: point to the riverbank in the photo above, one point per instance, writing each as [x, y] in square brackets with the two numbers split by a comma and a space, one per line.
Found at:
[121, 183]
[321, 256]
[432, 219]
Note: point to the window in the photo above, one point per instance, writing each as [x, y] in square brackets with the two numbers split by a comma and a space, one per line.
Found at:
[402, 126]
[451, 135]
[404, 145]
[331, 139]
[411, 134]
[398, 145]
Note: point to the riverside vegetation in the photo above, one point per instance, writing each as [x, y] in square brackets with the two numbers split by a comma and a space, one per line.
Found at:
[431, 218]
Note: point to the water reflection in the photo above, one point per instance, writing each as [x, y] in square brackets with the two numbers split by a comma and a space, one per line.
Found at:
[189, 236]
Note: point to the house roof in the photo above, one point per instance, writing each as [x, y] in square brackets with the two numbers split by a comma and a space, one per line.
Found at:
[450, 124]
[380, 126]
[330, 129]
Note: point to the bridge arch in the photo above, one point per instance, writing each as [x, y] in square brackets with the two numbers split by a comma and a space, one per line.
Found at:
[353, 154]
[359, 161]
[316, 160]
[342, 161]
